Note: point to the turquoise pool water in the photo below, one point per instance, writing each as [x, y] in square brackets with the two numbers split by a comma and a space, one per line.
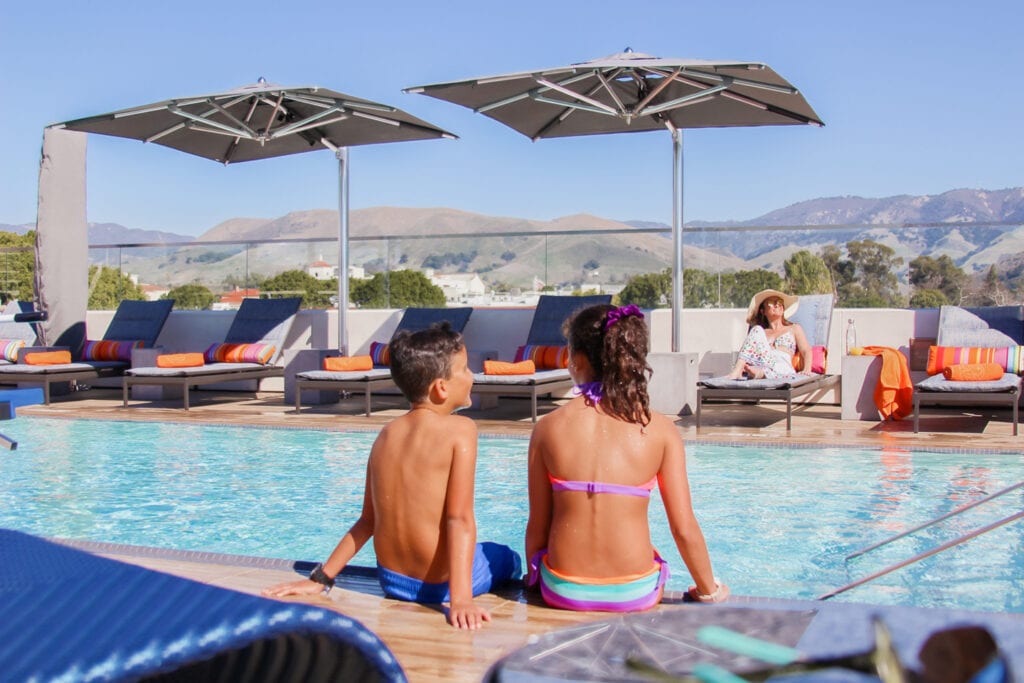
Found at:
[779, 521]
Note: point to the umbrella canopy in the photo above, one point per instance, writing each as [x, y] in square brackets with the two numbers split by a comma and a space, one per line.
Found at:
[633, 92]
[261, 121]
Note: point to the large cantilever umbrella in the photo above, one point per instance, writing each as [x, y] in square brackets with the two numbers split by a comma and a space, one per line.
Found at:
[632, 92]
[261, 121]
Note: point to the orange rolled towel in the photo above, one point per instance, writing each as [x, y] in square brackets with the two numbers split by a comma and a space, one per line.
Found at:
[179, 360]
[48, 357]
[348, 363]
[973, 372]
[498, 367]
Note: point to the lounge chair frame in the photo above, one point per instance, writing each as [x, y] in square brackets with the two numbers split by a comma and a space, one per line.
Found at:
[1009, 398]
[132, 321]
[784, 393]
[272, 317]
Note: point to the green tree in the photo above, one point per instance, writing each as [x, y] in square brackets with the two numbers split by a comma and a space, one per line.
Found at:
[992, 293]
[17, 266]
[928, 298]
[109, 286]
[192, 297]
[807, 274]
[840, 270]
[744, 284]
[648, 290]
[867, 278]
[701, 289]
[396, 289]
[938, 274]
[315, 293]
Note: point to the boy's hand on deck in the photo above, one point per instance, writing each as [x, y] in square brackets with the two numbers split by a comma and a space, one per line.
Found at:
[467, 615]
[300, 587]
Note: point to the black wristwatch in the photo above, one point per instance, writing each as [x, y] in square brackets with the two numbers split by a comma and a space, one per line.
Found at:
[318, 576]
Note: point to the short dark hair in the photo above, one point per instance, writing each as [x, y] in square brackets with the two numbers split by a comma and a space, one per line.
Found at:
[418, 358]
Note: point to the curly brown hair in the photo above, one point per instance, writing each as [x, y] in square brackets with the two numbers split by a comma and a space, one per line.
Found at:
[618, 355]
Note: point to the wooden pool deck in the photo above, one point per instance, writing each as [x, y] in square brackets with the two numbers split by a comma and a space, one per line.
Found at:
[426, 647]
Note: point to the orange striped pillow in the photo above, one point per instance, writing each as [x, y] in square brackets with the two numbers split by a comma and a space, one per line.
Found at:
[239, 353]
[544, 357]
[109, 350]
[1010, 358]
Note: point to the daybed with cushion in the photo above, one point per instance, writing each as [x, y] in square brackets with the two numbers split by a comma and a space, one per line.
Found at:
[135, 324]
[545, 331]
[815, 316]
[974, 336]
[378, 376]
[250, 351]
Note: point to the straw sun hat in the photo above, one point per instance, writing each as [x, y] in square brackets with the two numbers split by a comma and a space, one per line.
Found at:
[788, 300]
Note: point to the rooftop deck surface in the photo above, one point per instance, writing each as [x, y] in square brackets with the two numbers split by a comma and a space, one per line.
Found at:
[431, 651]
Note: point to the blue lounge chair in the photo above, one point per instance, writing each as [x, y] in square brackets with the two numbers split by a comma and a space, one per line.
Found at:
[369, 381]
[815, 316]
[545, 330]
[132, 321]
[265, 321]
[69, 615]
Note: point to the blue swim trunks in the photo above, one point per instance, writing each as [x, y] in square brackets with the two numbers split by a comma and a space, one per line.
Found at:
[493, 564]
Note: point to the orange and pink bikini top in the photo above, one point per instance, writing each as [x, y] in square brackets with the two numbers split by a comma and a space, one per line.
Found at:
[643, 490]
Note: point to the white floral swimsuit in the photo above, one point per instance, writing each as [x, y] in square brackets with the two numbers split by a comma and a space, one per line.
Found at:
[774, 357]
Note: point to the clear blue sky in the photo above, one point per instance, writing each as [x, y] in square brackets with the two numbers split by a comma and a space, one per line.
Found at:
[918, 97]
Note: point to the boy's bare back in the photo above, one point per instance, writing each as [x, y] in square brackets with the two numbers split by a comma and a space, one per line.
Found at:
[421, 471]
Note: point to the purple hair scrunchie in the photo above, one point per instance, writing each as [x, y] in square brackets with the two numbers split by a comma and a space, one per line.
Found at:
[617, 314]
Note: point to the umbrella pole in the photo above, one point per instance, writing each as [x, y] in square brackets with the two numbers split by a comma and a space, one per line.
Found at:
[342, 155]
[677, 239]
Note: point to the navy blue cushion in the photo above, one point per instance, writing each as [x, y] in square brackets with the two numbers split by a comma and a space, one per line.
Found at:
[552, 311]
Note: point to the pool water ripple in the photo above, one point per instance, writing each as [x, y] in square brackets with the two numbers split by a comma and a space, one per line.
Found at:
[779, 522]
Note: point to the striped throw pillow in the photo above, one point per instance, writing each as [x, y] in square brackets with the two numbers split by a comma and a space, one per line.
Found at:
[239, 353]
[9, 349]
[380, 352]
[1010, 358]
[544, 357]
[110, 350]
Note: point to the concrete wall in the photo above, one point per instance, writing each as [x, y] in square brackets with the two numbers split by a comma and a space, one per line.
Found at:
[713, 334]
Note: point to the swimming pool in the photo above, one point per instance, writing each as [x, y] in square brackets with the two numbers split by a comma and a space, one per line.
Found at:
[779, 521]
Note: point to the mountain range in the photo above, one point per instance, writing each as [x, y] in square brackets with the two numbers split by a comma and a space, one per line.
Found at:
[975, 227]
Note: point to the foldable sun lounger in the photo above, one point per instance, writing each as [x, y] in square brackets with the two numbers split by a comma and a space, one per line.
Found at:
[815, 316]
[369, 381]
[258, 321]
[545, 330]
[133, 321]
[990, 327]
[69, 615]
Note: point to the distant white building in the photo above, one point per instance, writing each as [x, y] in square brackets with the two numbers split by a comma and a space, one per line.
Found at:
[153, 292]
[322, 270]
[458, 287]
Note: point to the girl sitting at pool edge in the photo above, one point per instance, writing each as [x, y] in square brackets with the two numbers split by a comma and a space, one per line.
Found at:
[593, 463]
[418, 500]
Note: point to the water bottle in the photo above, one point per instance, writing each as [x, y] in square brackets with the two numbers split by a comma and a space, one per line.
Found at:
[851, 337]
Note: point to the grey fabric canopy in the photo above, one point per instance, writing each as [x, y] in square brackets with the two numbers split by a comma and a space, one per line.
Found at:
[261, 121]
[631, 92]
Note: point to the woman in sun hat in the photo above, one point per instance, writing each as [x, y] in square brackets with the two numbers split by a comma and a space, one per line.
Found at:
[772, 340]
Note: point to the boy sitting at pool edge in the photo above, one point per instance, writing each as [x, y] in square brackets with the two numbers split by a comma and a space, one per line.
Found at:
[418, 499]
